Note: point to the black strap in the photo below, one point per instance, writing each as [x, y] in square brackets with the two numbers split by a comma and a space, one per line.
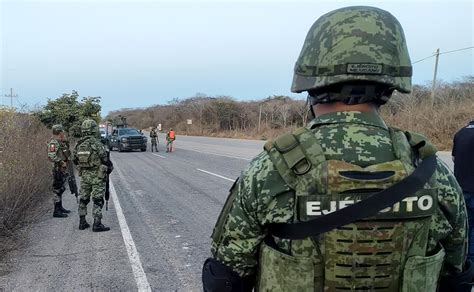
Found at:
[364, 209]
[341, 69]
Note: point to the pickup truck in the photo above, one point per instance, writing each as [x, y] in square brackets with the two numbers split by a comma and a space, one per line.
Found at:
[125, 139]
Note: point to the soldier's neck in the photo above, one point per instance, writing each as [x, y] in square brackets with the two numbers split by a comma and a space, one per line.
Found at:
[332, 107]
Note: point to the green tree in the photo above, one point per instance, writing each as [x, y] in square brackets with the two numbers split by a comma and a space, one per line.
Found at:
[70, 112]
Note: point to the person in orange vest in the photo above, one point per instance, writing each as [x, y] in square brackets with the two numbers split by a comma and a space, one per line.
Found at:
[170, 137]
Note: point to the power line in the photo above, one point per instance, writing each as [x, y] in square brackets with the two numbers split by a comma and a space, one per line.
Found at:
[442, 53]
[421, 60]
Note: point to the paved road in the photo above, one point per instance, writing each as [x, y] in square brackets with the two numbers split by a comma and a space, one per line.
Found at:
[162, 213]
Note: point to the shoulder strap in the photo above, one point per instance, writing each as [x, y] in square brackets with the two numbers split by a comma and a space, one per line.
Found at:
[294, 154]
[420, 144]
[361, 210]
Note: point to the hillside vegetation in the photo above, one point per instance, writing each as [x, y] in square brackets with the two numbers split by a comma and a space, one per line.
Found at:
[223, 116]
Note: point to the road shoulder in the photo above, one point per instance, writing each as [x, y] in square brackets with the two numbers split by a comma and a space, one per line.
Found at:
[57, 256]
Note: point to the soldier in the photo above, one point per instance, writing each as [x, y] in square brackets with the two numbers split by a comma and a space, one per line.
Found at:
[463, 157]
[58, 154]
[170, 137]
[334, 206]
[154, 139]
[91, 157]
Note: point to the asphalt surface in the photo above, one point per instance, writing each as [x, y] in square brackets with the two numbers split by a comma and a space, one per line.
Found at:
[170, 202]
[160, 228]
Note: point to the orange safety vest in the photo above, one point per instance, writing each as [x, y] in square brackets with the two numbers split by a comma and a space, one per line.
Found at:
[171, 135]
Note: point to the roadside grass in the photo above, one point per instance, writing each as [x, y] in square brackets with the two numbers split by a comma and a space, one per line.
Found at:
[25, 178]
[438, 122]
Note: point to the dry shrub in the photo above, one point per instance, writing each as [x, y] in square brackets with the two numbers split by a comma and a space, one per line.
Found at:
[222, 116]
[25, 177]
[439, 121]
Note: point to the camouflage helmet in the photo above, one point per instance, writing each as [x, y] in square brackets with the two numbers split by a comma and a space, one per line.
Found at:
[354, 44]
[57, 129]
[89, 127]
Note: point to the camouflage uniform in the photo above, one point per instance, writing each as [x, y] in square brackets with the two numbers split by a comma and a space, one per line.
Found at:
[58, 154]
[91, 156]
[154, 140]
[353, 55]
[261, 197]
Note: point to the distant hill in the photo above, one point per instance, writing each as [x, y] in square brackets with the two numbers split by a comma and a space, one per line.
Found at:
[224, 116]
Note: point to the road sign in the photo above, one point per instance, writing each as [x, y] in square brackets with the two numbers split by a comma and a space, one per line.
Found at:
[190, 122]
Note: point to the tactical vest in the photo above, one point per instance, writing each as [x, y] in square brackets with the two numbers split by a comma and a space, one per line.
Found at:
[383, 253]
[86, 156]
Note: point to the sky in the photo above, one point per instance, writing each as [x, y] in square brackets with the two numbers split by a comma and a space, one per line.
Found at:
[141, 53]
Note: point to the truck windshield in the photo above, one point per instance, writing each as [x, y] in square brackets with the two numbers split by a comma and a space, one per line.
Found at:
[128, 132]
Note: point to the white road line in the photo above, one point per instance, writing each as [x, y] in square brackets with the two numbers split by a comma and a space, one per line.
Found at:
[214, 174]
[133, 256]
[161, 156]
[223, 155]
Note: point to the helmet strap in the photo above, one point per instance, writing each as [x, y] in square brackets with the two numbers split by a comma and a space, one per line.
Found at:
[353, 94]
[309, 101]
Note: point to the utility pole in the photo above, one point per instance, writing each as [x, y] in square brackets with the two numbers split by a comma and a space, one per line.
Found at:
[11, 96]
[433, 88]
[259, 118]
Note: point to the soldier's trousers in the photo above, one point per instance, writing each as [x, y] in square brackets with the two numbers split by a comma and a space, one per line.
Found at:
[92, 188]
[469, 198]
[169, 145]
[154, 144]
[59, 180]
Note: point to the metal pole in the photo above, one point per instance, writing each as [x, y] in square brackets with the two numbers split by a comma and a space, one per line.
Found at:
[11, 96]
[259, 118]
[433, 88]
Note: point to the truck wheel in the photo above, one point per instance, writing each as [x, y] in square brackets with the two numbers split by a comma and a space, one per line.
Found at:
[143, 149]
[120, 148]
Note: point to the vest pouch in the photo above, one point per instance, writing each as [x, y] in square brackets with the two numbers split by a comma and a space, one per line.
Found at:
[421, 273]
[102, 171]
[84, 158]
[282, 272]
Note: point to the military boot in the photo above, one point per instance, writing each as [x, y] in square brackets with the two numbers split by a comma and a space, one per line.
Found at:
[62, 208]
[57, 211]
[83, 223]
[98, 226]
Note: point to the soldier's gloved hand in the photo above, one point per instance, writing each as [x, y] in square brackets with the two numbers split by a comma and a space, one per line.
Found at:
[63, 165]
[459, 282]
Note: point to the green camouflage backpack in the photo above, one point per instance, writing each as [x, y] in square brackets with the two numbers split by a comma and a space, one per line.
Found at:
[386, 252]
[86, 153]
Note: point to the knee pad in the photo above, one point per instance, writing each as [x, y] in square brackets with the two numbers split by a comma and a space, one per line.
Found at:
[99, 202]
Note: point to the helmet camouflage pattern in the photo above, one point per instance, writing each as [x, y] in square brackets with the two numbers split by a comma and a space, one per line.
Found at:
[57, 129]
[89, 127]
[357, 43]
